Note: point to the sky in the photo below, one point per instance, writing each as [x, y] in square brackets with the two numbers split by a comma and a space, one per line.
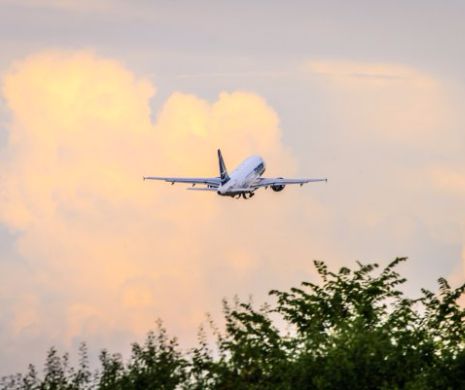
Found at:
[95, 95]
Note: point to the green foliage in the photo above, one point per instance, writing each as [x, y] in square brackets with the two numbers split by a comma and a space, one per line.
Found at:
[157, 364]
[353, 330]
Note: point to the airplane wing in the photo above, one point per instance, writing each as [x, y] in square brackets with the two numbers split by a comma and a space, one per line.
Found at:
[279, 181]
[211, 181]
[201, 189]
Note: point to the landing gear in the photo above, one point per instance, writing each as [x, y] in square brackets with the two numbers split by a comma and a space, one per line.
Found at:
[243, 195]
[247, 195]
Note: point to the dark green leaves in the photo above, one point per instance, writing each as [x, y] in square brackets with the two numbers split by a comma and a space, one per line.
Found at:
[355, 329]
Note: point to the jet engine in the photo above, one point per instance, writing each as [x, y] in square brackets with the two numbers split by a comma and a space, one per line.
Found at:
[278, 187]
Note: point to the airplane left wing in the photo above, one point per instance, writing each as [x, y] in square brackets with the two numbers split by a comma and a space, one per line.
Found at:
[279, 181]
[211, 181]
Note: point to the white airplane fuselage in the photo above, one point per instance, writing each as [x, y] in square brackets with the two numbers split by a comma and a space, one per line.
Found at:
[242, 179]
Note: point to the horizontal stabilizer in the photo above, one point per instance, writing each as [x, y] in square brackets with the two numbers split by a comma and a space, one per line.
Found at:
[201, 189]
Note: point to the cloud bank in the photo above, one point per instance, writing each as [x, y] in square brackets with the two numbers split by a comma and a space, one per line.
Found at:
[100, 253]
[402, 131]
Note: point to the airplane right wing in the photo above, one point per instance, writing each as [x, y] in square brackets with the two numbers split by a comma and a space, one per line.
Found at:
[214, 182]
[279, 181]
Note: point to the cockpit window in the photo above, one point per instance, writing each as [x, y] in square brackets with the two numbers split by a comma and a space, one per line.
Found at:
[260, 168]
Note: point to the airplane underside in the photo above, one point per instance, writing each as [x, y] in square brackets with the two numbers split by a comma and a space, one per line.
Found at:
[238, 195]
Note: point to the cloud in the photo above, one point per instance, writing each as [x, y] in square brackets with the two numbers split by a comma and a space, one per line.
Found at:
[395, 101]
[399, 191]
[449, 179]
[370, 73]
[101, 253]
[68, 5]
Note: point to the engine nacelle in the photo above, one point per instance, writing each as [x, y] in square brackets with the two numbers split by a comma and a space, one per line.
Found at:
[278, 187]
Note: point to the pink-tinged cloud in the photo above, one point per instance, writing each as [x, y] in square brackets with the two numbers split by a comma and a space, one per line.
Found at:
[103, 253]
[449, 179]
[401, 131]
[397, 102]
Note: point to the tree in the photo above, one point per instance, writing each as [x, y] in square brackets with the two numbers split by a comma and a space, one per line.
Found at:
[157, 364]
[355, 329]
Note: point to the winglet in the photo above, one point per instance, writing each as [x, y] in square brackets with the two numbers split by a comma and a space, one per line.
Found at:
[223, 171]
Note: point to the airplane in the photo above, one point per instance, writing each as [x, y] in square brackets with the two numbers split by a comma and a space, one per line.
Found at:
[243, 181]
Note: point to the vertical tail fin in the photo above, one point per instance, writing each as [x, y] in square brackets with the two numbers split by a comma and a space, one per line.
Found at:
[223, 171]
